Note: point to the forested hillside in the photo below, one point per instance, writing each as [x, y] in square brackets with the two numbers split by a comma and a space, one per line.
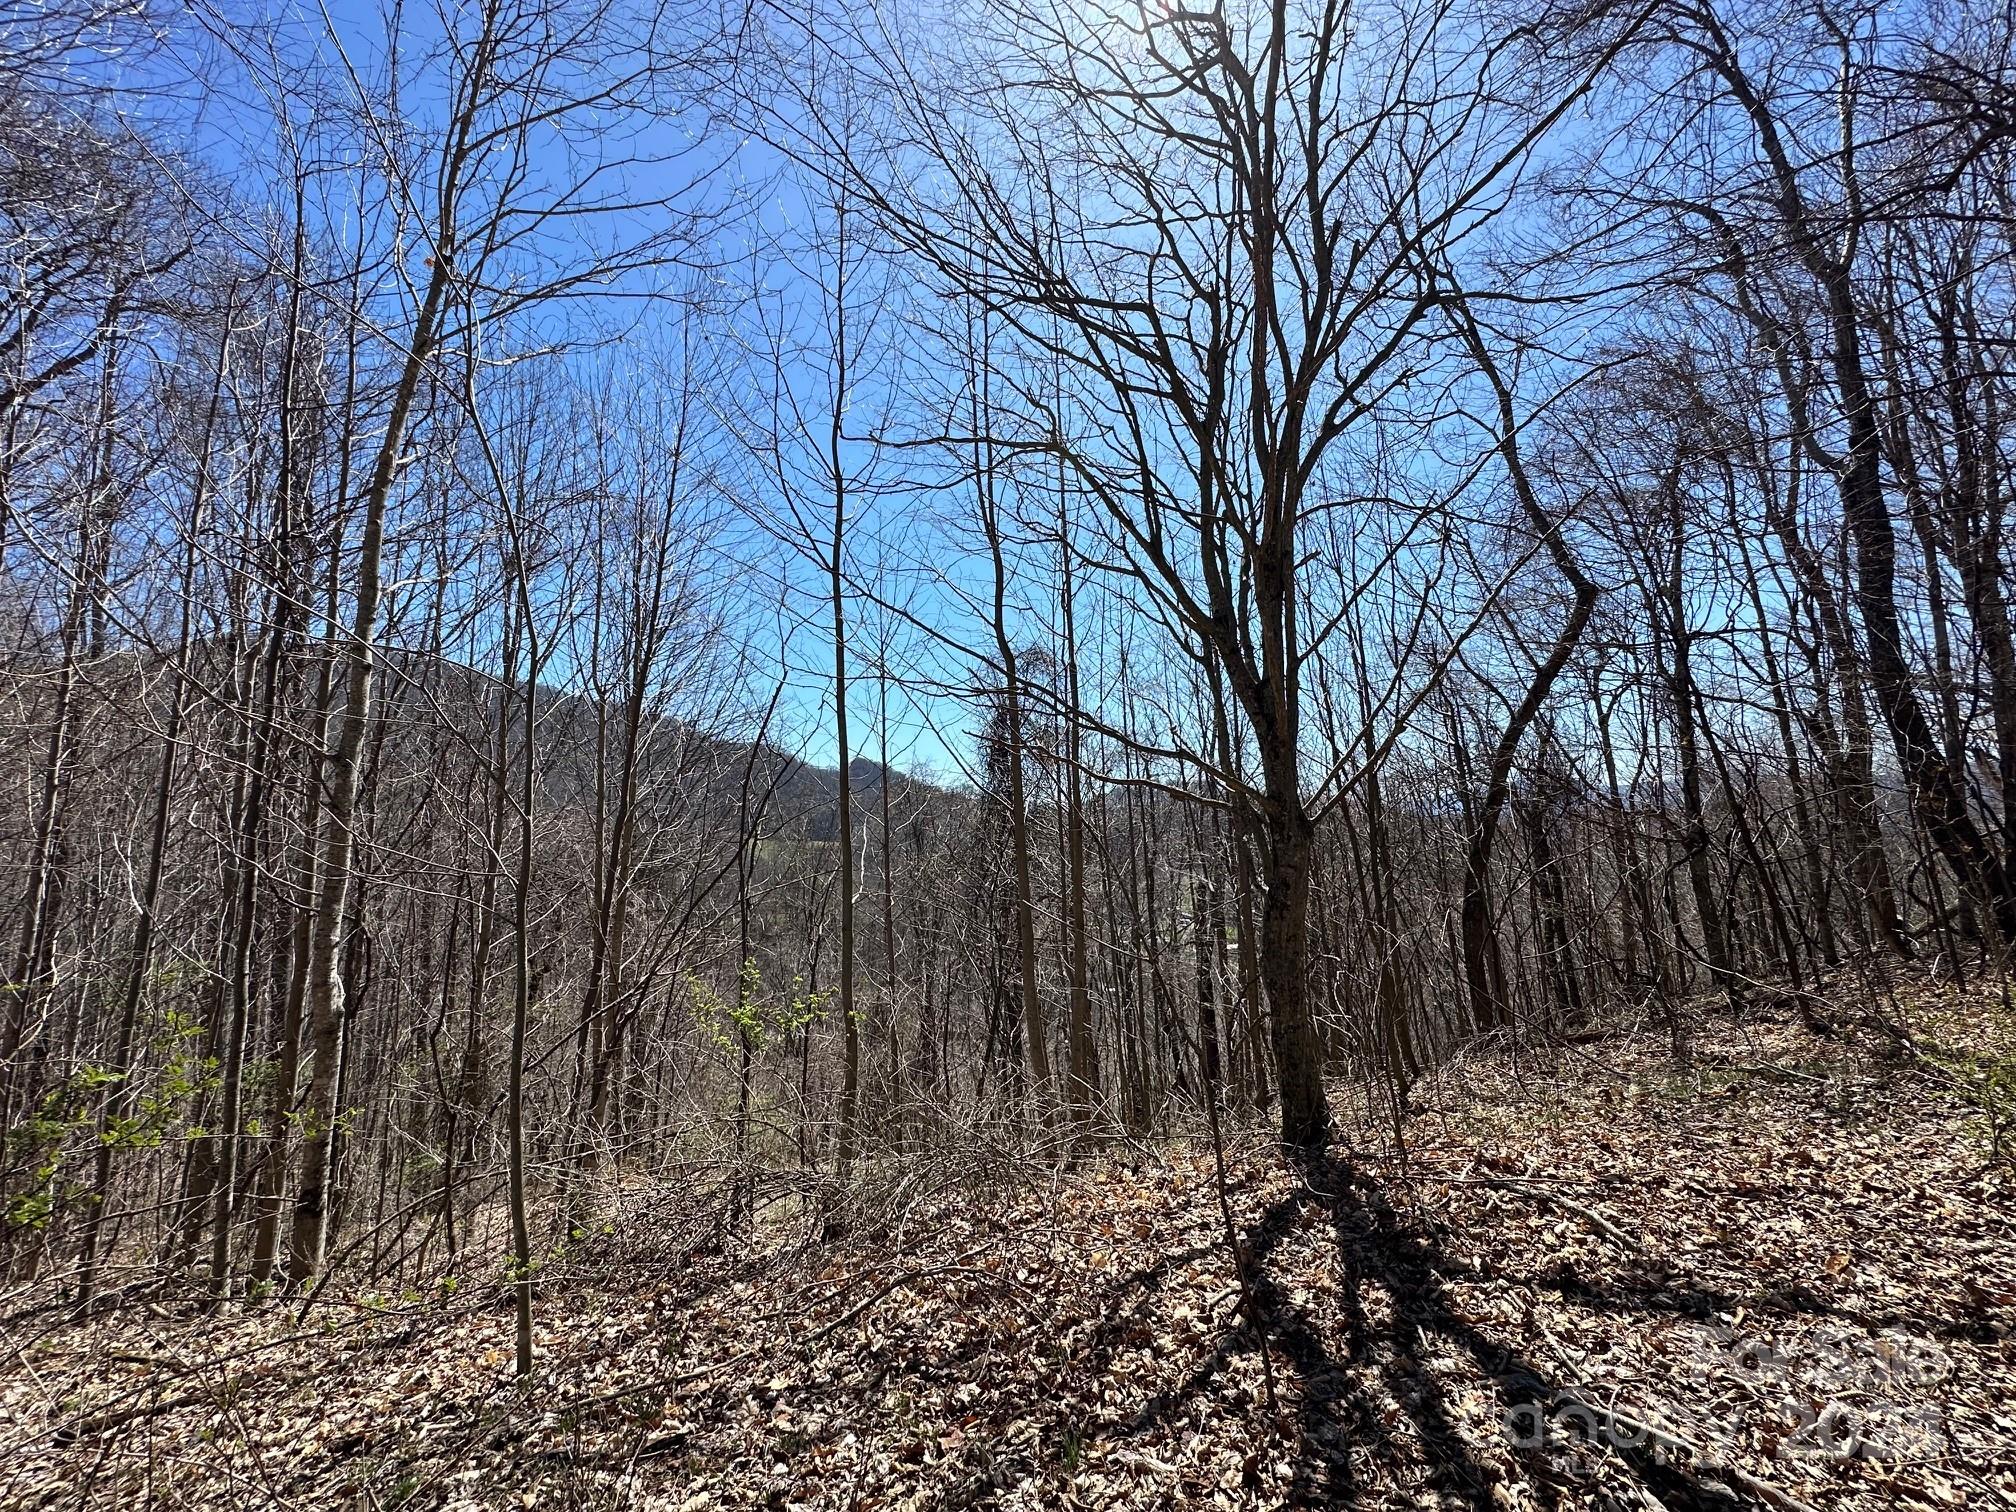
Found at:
[1007, 753]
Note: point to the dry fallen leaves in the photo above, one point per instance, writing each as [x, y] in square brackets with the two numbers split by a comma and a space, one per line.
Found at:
[1779, 1274]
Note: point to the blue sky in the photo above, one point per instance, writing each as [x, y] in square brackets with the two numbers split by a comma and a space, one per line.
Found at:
[225, 83]
[762, 273]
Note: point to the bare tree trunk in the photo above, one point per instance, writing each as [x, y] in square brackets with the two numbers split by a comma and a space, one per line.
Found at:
[340, 779]
[1481, 972]
[118, 1102]
[1083, 1060]
[850, 1028]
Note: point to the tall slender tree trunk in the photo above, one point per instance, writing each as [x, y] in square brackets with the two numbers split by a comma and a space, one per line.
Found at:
[120, 1098]
[326, 1007]
[1482, 973]
[1936, 788]
[1083, 1058]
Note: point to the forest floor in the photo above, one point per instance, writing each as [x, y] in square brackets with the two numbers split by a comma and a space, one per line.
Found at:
[1781, 1274]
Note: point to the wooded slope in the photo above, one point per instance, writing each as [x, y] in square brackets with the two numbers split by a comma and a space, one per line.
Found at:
[1781, 1272]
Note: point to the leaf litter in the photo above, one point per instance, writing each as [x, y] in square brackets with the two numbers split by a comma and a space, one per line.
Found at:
[1780, 1271]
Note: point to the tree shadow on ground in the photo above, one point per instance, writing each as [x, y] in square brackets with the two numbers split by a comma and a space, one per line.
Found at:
[1355, 1400]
